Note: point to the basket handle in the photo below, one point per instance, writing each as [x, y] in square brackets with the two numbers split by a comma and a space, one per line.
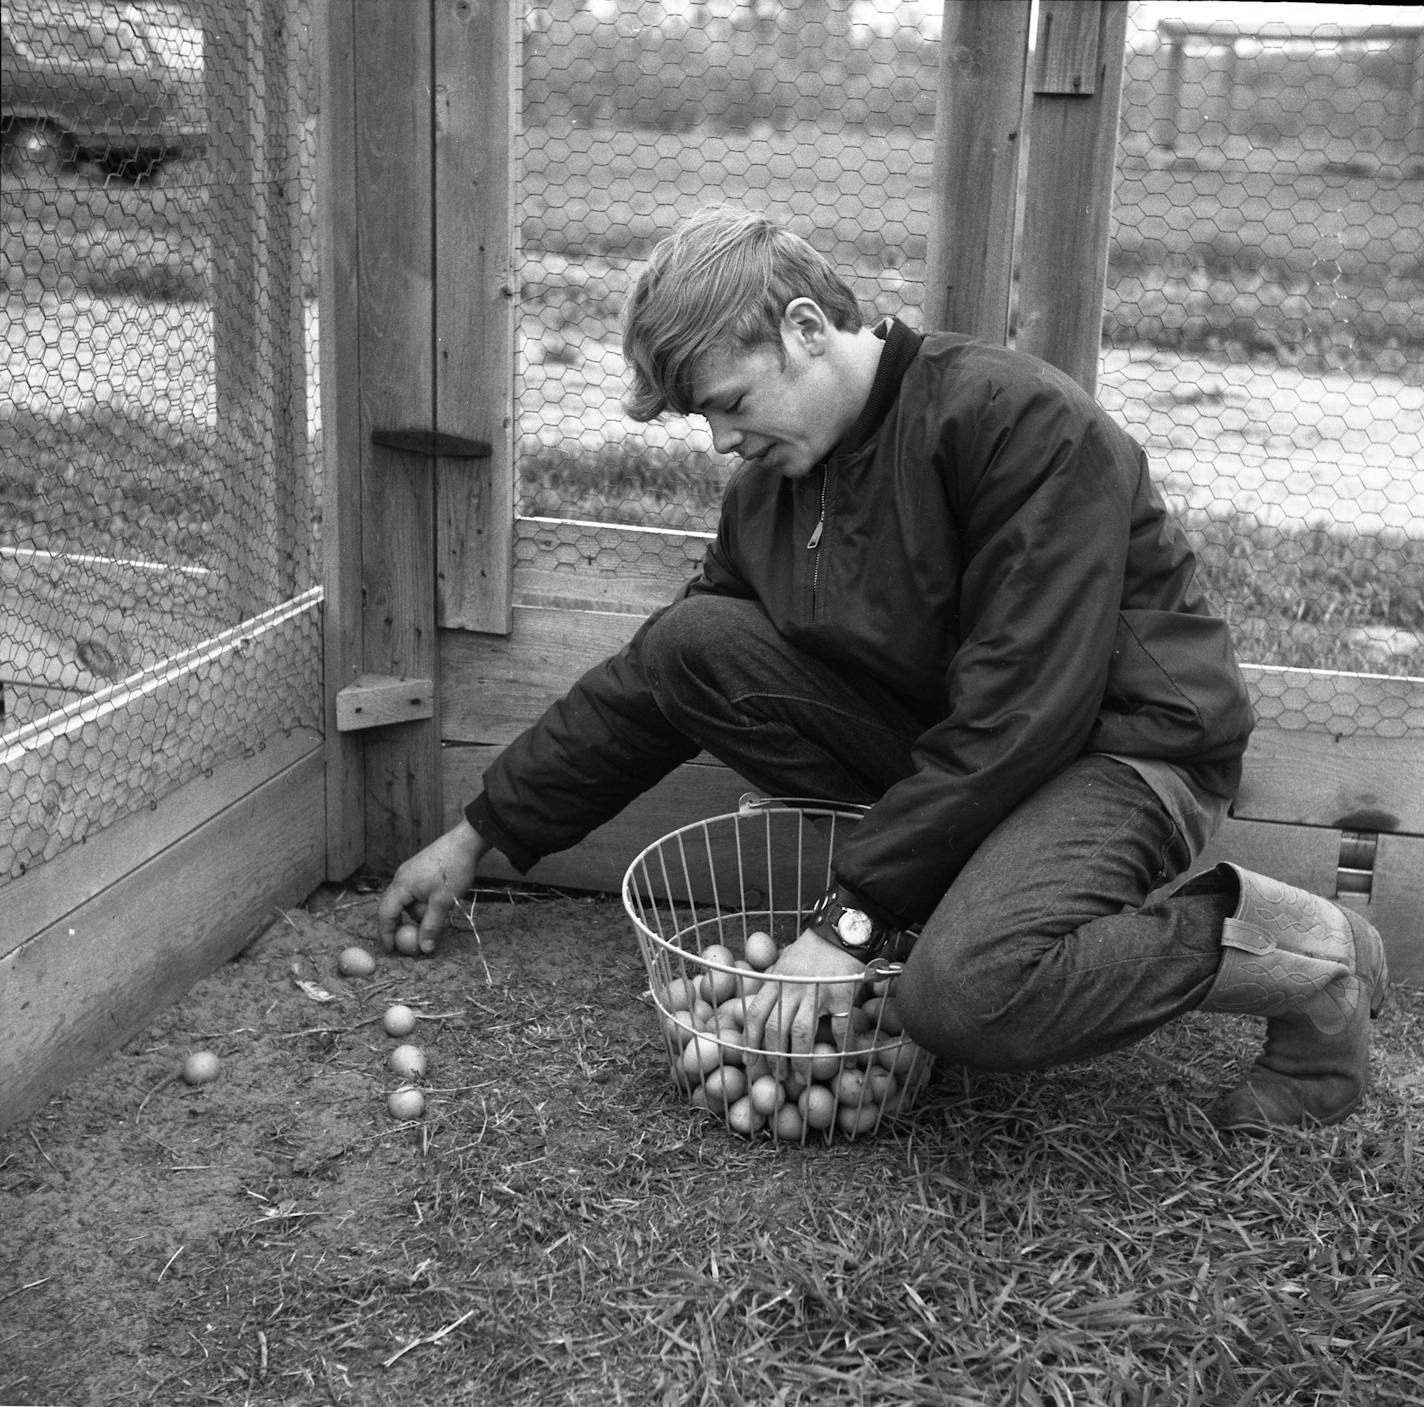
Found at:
[750, 802]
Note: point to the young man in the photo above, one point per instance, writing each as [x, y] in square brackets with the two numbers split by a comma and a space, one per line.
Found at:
[943, 585]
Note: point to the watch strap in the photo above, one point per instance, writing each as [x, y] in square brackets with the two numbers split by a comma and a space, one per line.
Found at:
[836, 918]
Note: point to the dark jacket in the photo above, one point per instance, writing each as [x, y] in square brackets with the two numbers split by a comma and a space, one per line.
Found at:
[993, 551]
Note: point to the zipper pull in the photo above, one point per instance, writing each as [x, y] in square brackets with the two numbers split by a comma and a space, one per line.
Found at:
[816, 535]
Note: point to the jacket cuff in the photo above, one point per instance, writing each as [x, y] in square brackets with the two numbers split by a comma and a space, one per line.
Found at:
[480, 814]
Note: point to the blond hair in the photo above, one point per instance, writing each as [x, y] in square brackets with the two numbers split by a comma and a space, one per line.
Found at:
[722, 280]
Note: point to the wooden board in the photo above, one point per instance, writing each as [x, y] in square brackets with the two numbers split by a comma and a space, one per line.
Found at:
[978, 138]
[79, 770]
[474, 309]
[76, 990]
[374, 701]
[394, 366]
[573, 565]
[43, 896]
[492, 686]
[1072, 150]
[338, 347]
[1397, 905]
[1313, 777]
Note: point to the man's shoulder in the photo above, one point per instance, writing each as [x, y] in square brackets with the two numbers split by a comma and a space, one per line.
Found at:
[979, 370]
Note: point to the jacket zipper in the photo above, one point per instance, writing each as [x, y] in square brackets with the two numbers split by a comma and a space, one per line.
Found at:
[815, 540]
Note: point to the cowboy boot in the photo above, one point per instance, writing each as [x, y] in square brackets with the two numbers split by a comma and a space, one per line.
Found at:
[1317, 973]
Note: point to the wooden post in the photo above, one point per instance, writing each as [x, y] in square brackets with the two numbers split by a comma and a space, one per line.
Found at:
[395, 332]
[474, 311]
[259, 353]
[983, 73]
[1071, 159]
[378, 375]
[233, 63]
[340, 432]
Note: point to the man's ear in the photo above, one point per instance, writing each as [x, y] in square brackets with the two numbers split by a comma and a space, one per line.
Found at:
[805, 322]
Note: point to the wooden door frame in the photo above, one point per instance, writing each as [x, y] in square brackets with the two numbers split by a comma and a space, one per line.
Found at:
[418, 337]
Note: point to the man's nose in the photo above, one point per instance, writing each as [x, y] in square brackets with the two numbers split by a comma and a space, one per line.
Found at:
[725, 436]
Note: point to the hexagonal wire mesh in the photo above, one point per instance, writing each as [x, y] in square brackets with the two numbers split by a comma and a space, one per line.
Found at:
[1263, 324]
[1264, 320]
[158, 464]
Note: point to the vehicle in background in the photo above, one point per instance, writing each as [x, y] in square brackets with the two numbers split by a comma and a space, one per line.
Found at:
[120, 85]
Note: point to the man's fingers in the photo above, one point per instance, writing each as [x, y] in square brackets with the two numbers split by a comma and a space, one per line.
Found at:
[389, 913]
[840, 1002]
[758, 1009]
[432, 924]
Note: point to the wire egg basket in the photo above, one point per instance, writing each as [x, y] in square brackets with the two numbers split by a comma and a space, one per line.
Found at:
[713, 904]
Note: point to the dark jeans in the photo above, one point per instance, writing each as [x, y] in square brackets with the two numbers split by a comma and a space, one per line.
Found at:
[1045, 949]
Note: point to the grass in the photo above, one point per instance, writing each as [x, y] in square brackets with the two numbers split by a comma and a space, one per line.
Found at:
[114, 240]
[562, 1229]
[1303, 597]
[107, 480]
[135, 485]
[85, 482]
[1312, 598]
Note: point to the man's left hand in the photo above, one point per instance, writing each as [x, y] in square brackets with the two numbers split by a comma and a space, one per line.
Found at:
[782, 1017]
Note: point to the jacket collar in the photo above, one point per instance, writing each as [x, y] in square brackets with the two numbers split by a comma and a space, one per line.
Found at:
[902, 346]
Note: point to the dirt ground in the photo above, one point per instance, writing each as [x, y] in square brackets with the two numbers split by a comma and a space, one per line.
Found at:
[277, 1237]
[136, 1212]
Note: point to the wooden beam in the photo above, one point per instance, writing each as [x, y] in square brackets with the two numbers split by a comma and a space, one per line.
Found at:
[80, 988]
[339, 349]
[1066, 54]
[1315, 777]
[1397, 904]
[47, 893]
[978, 131]
[1072, 151]
[109, 755]
[394, 295]
[474, 310]
[258, 334]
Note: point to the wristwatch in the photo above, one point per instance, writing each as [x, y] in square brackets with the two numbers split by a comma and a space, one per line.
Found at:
[854, 930]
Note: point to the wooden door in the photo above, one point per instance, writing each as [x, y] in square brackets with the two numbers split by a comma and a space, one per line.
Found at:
[416, 393]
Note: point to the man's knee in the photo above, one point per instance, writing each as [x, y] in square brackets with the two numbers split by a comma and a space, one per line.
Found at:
[694, 630]
[965, 1019]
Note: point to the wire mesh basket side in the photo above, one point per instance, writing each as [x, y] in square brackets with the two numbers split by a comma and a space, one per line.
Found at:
[713, 903]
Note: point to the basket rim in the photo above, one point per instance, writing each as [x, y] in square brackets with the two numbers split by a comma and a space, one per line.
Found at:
[750, 804]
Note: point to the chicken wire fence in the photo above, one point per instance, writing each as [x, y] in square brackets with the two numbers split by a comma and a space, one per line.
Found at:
[158, 457]
[1263, 331]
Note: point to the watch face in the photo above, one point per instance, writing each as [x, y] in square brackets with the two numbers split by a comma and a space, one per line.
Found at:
[855, 928]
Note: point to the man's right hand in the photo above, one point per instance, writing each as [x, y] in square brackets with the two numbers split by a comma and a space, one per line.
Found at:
[425, 888]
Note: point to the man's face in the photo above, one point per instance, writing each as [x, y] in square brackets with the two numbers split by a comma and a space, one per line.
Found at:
[785, 417]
